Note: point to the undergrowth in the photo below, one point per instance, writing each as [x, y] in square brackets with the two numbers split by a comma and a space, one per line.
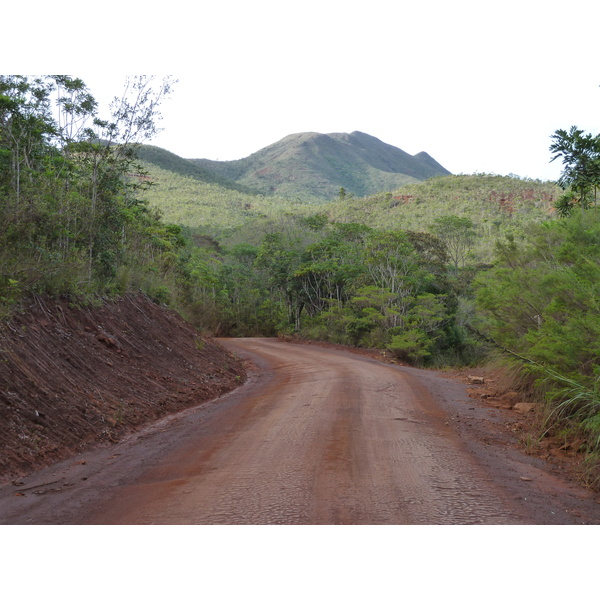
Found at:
[569, 409]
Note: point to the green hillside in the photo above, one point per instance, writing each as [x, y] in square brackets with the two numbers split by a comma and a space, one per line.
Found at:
[214, 209]
[314, 166]
[497, 205]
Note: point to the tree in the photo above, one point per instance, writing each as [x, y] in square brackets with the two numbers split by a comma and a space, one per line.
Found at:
[392, 262]
[540, 303]
[458, 235]
[278, 262]
[327, 270]
[541, 298]
[580, 153]
[362, 320]
[27, 131]
[103, 153]
[565, 204]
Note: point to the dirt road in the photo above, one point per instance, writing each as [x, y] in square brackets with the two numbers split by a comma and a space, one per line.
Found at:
[316, 436]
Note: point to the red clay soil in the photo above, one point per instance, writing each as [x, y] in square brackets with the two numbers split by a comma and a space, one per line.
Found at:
[518, 421]
[75, 378]
[72, 379]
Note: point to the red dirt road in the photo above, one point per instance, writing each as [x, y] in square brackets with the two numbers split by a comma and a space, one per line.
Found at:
[316, 436]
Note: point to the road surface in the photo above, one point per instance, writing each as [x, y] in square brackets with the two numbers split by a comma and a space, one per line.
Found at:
[317, 436]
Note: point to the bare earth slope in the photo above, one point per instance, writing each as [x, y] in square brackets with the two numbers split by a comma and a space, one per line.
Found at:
[316, 436]
[72, 378]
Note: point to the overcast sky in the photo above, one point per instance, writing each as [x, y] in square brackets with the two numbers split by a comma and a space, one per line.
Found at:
[479, 86]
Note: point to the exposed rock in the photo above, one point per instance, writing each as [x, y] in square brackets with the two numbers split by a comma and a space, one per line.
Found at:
[525, 407]
[509, 399]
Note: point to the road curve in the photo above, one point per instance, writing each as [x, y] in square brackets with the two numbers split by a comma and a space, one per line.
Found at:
[318, 436]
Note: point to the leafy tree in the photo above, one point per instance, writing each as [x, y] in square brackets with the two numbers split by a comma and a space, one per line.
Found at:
[412, 344]
[393, 263]
[421, 329]
[540, 300]
[362, 320]
[566, 203]
[327, 272]
[458, 235]
[278, 262]
[540, 303]
[27, 131]
[104, 153]
[316, 222]
[580, 154]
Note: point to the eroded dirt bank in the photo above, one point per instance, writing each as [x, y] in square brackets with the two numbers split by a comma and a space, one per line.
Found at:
[74, 378]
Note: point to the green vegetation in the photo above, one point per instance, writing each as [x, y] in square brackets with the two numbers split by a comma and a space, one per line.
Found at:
[540, 302]
[497, 206]
[342, 282]
[216, 210]
[436, 272]
[580, 153]
[171, 163]
[73, 219]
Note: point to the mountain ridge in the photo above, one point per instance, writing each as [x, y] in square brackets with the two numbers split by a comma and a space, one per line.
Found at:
[318, 165]
[312, 166]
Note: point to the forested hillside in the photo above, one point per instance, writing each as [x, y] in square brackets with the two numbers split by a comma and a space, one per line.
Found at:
[448, 271]
[153, 156]
[212, 208]
[496, 205]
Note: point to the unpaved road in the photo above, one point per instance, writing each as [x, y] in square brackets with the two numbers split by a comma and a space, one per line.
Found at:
[316, 436]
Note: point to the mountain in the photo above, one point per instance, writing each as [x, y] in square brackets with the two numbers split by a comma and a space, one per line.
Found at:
[315, 166]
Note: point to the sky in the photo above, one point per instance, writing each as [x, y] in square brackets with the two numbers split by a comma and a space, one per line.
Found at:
[481, 87]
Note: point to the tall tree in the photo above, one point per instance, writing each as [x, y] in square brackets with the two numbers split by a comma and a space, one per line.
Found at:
[27, 130]
[580, 154]
[104, 152]
[458, 234]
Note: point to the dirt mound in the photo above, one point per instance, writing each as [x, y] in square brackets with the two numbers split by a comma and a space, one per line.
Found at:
[72, 378]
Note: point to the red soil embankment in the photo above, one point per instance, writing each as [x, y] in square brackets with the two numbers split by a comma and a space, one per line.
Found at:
[72, 378]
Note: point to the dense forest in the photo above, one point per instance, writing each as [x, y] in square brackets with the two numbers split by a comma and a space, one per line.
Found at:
[451, 271]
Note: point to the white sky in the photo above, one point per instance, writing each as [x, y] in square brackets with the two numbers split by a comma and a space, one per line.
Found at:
[479, 86]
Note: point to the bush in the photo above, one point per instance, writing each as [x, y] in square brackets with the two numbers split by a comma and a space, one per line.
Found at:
[412, 345]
